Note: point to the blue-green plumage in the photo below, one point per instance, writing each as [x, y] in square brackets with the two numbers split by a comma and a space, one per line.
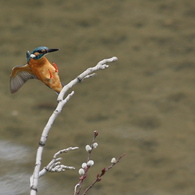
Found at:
[39, 52]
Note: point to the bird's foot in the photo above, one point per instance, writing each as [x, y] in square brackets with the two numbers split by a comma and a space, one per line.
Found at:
[55, 66]
[50, 74]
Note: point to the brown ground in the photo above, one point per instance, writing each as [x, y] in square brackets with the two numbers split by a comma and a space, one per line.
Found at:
[143, 105]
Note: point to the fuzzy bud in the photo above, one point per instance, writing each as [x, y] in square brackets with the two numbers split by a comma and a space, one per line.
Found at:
[95, 145]
[90, 163]
[88, 148]
[81, 171]
[84, 165]
[113, 160]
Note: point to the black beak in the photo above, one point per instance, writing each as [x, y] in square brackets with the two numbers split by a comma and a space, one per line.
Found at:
[52, 50]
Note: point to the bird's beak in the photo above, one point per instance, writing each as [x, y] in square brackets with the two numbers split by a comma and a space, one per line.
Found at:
[52, 50]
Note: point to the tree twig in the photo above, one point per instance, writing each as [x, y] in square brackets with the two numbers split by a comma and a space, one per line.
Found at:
[86, 74]
[103, 171]
[61, 102]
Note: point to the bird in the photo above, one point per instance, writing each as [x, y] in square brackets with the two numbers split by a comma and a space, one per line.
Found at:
[37, 67]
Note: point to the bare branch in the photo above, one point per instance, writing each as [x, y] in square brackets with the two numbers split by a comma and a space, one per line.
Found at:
[42, 142]
[104, 170]
[83, 171]
[61, 102]
[86, 74]
[86, 166]
[54, 165]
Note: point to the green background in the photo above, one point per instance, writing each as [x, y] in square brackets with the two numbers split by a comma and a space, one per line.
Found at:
[143, 105]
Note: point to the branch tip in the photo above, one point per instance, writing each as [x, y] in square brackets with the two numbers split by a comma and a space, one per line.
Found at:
[114, 58]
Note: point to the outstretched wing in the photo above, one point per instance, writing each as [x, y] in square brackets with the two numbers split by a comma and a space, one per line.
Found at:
[19, 75]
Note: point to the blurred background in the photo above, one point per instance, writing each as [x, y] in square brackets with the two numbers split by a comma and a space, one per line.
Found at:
[143, 105]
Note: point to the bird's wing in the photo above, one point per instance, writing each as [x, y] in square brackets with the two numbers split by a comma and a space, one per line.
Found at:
[19, 75]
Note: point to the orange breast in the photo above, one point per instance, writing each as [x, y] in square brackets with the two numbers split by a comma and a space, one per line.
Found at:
[43, 69]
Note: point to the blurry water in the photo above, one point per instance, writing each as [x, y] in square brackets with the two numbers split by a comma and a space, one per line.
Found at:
[13, 152]
[14, 179]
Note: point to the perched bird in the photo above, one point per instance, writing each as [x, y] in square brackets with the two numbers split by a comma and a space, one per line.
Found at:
[37, 67]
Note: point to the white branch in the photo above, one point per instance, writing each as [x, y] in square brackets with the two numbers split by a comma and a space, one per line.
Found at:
[54, 165]
[86, 74]
[61, 102]
[42, 142]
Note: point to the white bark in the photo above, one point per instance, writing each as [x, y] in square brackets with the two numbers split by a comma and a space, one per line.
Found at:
[61, 102]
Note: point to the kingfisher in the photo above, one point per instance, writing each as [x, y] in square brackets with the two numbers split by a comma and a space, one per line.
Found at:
[37, 67]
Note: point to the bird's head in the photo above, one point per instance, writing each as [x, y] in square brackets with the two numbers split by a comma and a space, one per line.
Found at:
[39, 52]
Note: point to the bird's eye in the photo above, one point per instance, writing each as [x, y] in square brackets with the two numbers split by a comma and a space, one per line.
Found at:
[43, 51]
